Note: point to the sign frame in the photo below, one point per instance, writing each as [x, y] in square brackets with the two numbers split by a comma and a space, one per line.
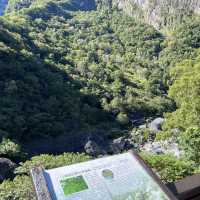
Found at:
[154, 176]
[43, 193]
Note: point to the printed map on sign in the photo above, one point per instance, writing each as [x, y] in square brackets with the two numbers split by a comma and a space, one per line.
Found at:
[119, 177]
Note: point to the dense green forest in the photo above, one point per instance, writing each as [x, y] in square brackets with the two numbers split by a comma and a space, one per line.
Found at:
[80, 69]
[77, 73]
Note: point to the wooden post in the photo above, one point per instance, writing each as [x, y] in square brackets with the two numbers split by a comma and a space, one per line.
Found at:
[40, 184]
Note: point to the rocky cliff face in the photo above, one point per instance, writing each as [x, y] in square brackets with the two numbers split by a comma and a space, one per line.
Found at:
[3, 4]
[159, 13]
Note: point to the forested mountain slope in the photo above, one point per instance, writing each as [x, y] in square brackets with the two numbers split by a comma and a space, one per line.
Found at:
[72, 70]
[75, 71]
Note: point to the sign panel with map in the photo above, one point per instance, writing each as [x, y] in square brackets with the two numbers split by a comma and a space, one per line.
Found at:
[118, 177]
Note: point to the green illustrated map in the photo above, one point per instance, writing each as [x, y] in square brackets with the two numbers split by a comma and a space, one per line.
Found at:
[73, 185]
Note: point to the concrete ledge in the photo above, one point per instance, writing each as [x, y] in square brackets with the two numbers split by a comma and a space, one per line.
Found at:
[40, 185]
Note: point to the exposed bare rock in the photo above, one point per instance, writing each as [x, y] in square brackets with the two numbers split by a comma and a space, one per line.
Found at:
[93, 149]
[6, 168]
[159, 13]
[120, 144]
[156, 125]
[163, 147]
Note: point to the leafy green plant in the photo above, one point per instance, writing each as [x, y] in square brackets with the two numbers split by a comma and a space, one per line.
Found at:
[169, 167]
[21, 188]
[9, 148]
[190, 143]
[50, 161]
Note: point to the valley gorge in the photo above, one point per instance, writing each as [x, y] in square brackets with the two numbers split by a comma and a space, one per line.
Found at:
[82, 79]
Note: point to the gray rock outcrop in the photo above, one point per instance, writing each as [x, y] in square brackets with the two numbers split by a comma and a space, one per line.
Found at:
[6, 168]
[162, 147]
[97, 148]
[156, 125]
[93, 149]
[159, 13]
[120, 144]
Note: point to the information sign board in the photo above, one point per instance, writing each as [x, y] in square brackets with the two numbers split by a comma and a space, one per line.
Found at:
[118, 177]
